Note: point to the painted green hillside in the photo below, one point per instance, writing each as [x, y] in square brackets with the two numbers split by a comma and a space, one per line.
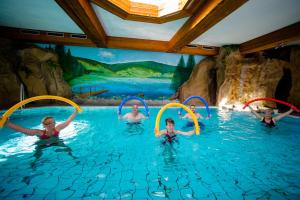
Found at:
[131, 69]
[155, 66]
[94, 66]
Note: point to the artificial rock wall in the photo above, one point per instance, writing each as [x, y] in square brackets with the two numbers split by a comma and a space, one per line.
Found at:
[37, 69]
[232, 78]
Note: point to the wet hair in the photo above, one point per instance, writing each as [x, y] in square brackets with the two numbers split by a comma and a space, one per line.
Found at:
[193, 105]
[46, 118]
[170, 120]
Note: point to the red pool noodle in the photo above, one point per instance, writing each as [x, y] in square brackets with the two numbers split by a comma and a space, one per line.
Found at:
[274, 100]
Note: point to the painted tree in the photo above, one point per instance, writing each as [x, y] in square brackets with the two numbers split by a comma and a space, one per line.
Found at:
[60, 51]
[177, 77]
[189, 68]
[68, 63]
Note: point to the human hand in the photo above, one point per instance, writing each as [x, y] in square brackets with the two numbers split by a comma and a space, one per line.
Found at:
[3, 118]
[295, 109]
[191, 132]
[157, 132]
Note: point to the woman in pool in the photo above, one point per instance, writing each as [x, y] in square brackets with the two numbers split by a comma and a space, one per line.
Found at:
[49, 136]
[170, 133]
[51, 130]
[267, 119]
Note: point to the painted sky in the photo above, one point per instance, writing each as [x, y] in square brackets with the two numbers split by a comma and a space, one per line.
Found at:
[122, 56]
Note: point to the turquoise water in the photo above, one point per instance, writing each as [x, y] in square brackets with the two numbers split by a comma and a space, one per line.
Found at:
[235, 157]
[127, 87]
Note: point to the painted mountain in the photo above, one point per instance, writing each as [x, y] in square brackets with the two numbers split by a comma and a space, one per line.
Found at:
[148, 78]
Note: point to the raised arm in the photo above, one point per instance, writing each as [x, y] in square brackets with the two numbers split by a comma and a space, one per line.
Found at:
[143, 116]
[198, 115]
[185, 133]
[21, 129]
[162, 132]
[126, 116]
[120, 116]
[185, 116]
[67, 122]
[255, 113]
[278, 117]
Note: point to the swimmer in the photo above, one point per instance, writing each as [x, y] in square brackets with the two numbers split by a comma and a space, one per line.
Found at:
[267, 118]
[134, 116]
[170, 133]
[51, 130]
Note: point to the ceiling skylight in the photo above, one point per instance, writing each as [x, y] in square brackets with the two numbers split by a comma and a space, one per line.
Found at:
[153, 8]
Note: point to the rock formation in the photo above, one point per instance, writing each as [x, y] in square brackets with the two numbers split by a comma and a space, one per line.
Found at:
[294, 97]
[37, 69]
[248, 78]
[199, 82]
[239, 78]
[10, 83]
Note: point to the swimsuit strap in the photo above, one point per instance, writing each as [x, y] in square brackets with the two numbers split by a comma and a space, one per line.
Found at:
[56, 132]
[170, 133]
[170, 137]
[271, 124]
[45, 136]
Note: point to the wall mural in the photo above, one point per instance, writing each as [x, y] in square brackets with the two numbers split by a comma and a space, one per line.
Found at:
[115, 74]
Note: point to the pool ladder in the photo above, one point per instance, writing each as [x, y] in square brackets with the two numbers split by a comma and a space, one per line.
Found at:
[22, 94]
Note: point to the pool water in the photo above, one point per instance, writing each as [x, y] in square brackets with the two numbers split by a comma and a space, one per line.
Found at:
[234, 157]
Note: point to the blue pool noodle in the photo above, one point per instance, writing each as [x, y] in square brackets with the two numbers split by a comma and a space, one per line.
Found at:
[131, 98]
[196, 97]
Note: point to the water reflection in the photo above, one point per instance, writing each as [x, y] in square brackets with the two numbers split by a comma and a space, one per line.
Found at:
[134, 129]
[169, 153]
[40, 145]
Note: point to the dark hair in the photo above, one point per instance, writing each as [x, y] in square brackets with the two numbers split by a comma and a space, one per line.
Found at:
[193, 105]
[169, 120]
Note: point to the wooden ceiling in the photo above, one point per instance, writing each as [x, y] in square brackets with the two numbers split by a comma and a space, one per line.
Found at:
[134, 11]
[275, 39]
[203, 15]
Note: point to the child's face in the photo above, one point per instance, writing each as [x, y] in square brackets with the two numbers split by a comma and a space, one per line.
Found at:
[170, 126]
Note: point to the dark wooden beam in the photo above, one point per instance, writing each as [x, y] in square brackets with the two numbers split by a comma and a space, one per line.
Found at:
[137, 44]
[192, 6]
[200, 50]
[112, 8]
[155, 45]
[38, 36]
[209, 14]
[82, 13]
[273, 39]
